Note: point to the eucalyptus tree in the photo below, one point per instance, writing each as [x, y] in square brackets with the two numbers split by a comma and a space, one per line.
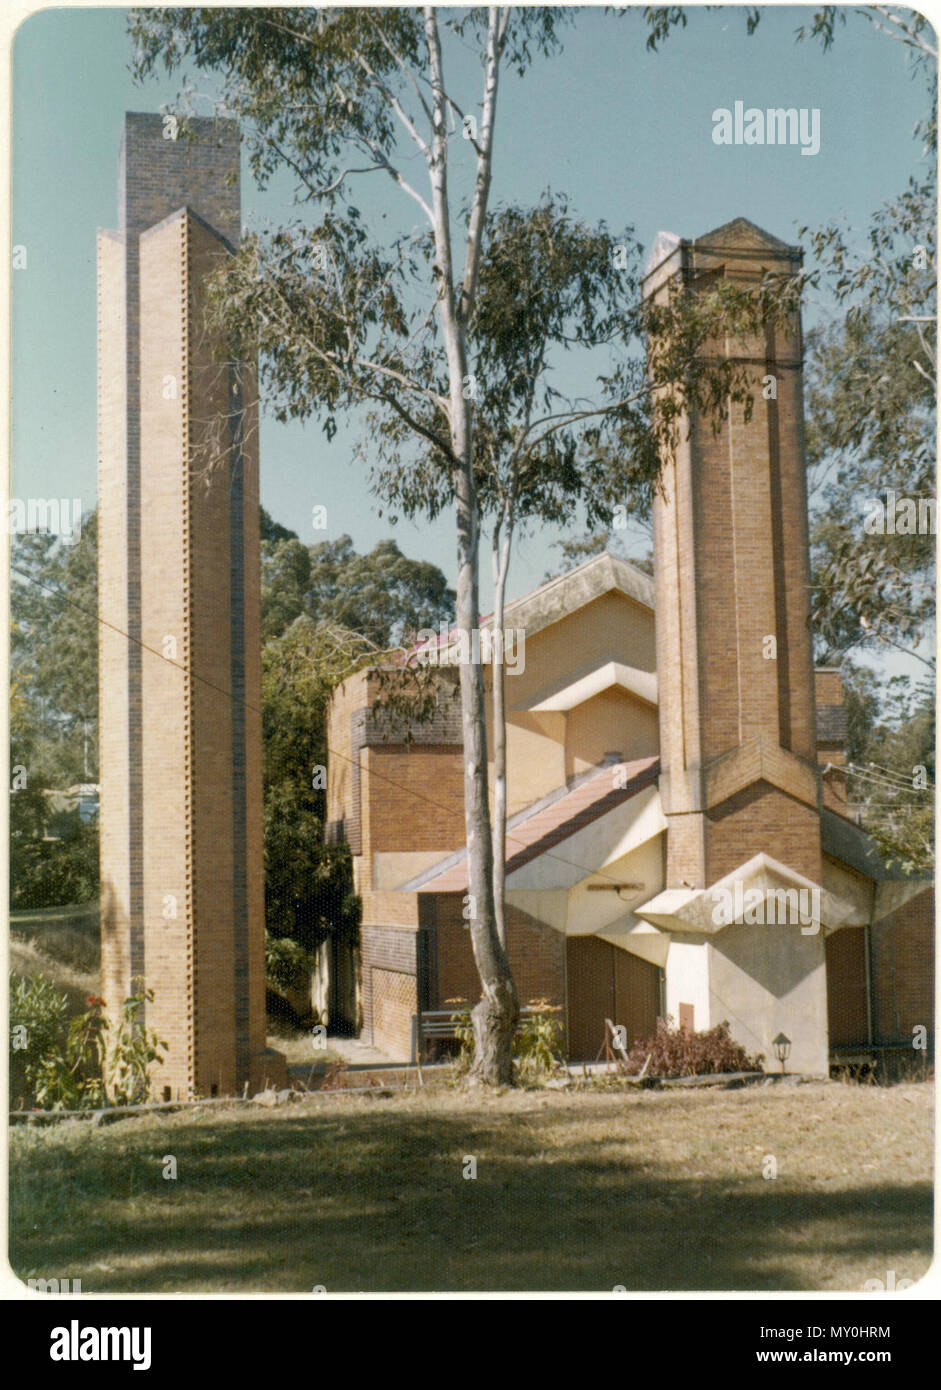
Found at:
[550, 285]
[341, 317]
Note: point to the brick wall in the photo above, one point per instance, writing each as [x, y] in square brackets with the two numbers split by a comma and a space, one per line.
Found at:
[416, 798]
[732, 570]
[536, 951]
[349, 696]
[760, 818]
[903, 970]
[390, 962]
[156, 177]
[181, 845]
[393, 1008]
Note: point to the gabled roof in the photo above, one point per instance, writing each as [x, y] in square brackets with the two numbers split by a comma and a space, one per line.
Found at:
[559, 597]
[741, 234]
[568, 692]
[548, 822]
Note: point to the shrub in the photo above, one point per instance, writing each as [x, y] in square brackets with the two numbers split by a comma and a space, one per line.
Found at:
[287, 964]
[464, 1032]
[135, 1050]
[37, 1031]
[680, 1052]
[537, 1046]
[70, 1068]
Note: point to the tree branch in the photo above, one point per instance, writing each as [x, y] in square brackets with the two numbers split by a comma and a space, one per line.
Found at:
[496, 34]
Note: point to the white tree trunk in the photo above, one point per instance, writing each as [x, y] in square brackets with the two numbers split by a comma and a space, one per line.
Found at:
[502, 541]
[495, 1016]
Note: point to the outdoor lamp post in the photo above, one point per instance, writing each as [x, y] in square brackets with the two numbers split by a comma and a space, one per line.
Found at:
[782, 1048]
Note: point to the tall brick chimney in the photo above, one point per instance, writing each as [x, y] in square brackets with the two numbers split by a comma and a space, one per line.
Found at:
[179, 606]
[734, 658]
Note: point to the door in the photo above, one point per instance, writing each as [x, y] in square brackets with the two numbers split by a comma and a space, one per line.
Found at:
[847, 1014]
[604, 981]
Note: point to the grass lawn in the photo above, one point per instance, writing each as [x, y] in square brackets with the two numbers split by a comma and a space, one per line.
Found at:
[297, 1049]
[574, 1191]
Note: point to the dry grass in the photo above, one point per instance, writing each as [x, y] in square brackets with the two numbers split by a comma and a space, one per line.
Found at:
[297, 1049]
[577, 1191]
[26, 960]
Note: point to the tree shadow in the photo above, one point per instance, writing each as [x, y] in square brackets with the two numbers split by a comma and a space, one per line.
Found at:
[378, 1202]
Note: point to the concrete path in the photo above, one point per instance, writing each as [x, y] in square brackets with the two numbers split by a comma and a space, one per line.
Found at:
[360, 1054]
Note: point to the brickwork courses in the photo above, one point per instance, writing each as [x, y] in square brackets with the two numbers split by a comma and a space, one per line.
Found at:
[179, 568]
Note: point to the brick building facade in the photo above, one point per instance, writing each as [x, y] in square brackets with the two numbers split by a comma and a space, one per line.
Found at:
[670, 747]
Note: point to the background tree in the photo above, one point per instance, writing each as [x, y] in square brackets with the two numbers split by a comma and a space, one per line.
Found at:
[53, 716]
[54, 648]
[384, 596]
[308, 884]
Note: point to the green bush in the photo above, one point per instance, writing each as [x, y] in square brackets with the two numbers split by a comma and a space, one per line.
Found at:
[38, 1030]
[286, 963]
[464, 1032]
[537, 1046]
[72, 1068]
[135, 1050]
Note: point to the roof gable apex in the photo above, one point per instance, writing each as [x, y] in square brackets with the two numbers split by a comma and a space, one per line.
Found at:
[561, 597]
[745, 235]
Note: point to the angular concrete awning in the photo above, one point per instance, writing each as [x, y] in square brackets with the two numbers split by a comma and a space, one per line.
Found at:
[762, 890]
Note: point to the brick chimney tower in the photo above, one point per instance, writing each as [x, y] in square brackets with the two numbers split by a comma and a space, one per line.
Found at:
[734, 656]
[743, 903]
[179, 607]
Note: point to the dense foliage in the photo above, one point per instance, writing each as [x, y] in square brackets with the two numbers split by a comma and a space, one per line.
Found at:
[61, 1064]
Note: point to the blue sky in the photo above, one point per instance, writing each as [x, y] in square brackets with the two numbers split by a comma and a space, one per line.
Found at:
[625, 133]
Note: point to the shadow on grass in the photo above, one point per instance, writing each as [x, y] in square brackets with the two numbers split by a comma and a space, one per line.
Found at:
[377, 1202]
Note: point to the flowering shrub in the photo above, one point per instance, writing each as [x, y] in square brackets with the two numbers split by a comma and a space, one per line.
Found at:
[72, 1069]
[680, 1052]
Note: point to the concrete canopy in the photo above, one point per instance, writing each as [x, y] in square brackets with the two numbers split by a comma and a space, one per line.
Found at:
[758, 892]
